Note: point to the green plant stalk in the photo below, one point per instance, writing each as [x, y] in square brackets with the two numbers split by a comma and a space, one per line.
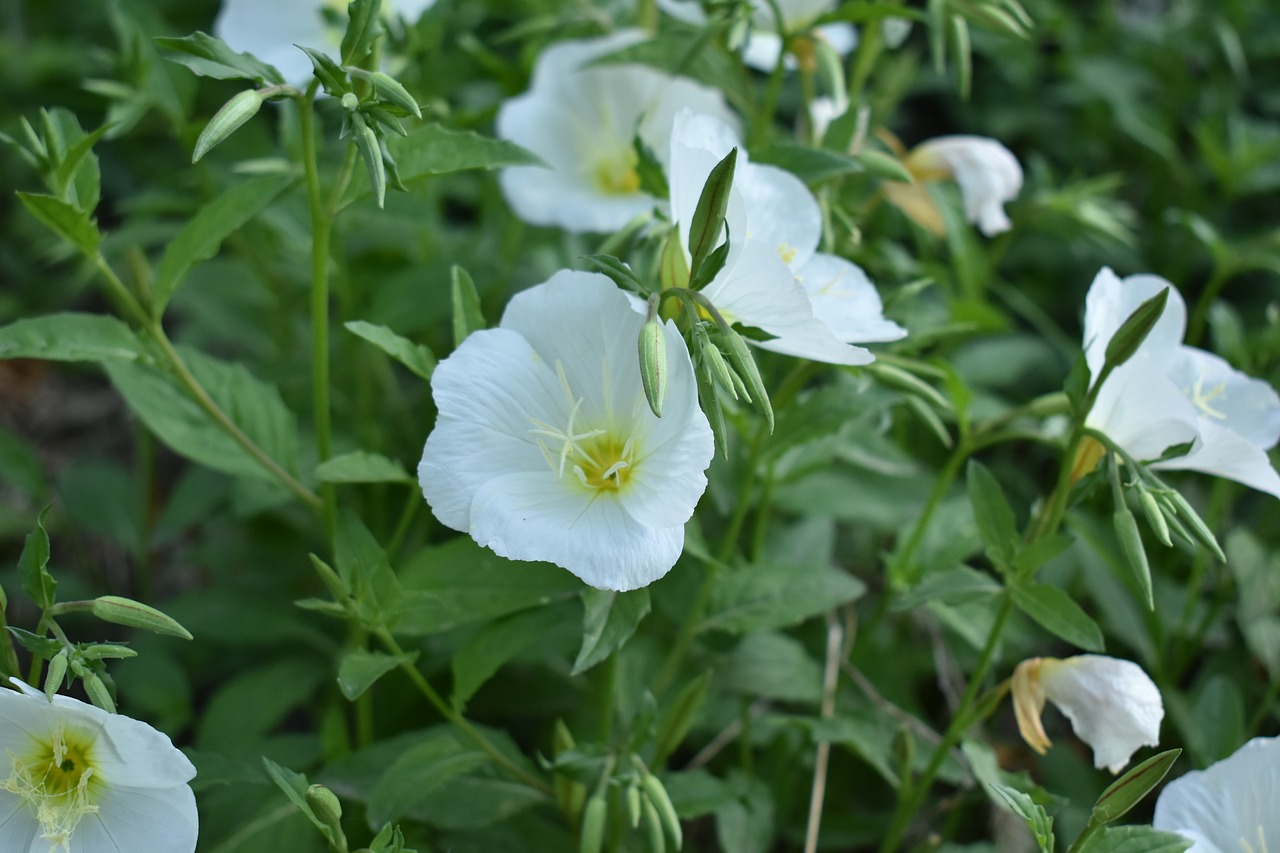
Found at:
[913, 797]
[156, 331]
[1200, 314]
[458, 721]
[321, 232]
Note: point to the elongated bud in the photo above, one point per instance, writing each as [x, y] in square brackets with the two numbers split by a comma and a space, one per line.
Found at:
[653, 826]
[389, 89]
[653, 358]
[718, 369]
[1125, 342]
[327, 809]
[1194, 523]
[633, 805]
[656, 793]
[227, 121]
[57, 672]
[591, 837]
[740, 357]
[98, 693]
[366, 139]
[1134, 554]
[1155, 518]
[125, 611]
[708, 215]
[1127, 791]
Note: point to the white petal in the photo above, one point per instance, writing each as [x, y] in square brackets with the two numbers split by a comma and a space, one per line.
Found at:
[781, 212]
[844, 298]
[1112, 704]
[1230, 802]
[489, 393]
[270, 30]
[1226, 397]
[519, 516]
[987, 172]
[842, 37]
[1109, 303]
[1141, 410]
[140, 820]
[1223, 453]
[18, 826]
[762, 51]
[689, 11]
[698, 143]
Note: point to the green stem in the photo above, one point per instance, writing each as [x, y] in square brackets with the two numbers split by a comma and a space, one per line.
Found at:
[909, 803]
[321, 231]
[902, 561]
[1200, 314]
[460, 722]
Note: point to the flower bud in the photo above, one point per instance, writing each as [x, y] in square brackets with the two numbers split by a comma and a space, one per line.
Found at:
[740, 357]
[327, 808]
[653, 363]
[227, 121]
[657, 794]
[124, 611]
[57, 672]
[591, 837]
[1155, 518]
[1135, 555]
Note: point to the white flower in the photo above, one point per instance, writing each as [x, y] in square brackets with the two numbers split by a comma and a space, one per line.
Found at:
[269, 29]
[764, 43]
[774, 225]
[581, 119]
[1112, 705]
[988, 175]
[545, 448]
[1230, 806]
[1169, 393]
[81, 779]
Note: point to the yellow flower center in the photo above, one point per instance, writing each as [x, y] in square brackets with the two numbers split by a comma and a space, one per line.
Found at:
[57, 780]
[599, 459]
[616, 173]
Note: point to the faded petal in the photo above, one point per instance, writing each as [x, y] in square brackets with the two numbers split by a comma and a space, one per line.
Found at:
[987, 172]
[1112, 704]
[1230, 802]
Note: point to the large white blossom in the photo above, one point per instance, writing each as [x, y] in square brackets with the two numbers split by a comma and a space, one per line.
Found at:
[1169, 393]
[545, 447]
[1112, 704]
[86, 781]
[269, 29]
[774, 225]
[582, 119]
[764, 42]
[1230, 806]
[987, 173]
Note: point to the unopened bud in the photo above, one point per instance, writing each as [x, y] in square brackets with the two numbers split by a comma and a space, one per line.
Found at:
[227, 121]
[591, 836]
[653, 824]
[366, 139]
[673, 270]
[1155, 518]
[57, 672]
[653, 360]
[745, 365]
[1135, 555]
[718, 369]
[350, 101]
[125, 611]
[633, 805]
[97, 690]
[326, 807]
[657, 794]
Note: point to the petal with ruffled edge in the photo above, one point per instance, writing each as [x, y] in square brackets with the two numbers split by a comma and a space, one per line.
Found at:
[593, 537]
[1226, 397]
[987, 172]
[1229, 802]
[1112, 704]
[844, 298]
[1112, 300]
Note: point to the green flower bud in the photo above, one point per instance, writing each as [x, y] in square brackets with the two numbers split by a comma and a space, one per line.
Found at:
[655, 792]
[98, 693]
[124, 611]
[57, 672]
[633, 805]
[350, 101]
[1155, 518]
[653, 823]
[327, 809]
[591, 837]
[745, 365]
[227, 121]
[653, 359]
[1135, 555]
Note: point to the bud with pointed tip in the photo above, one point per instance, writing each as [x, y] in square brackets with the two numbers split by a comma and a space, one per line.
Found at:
[125, 611]
[652, 345]
[227, 121]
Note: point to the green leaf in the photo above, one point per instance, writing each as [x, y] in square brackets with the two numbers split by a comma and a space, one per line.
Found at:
[621, 274]
[416, 357]
[360, 466]
[33, 566]
[363, 565]
[497, 643]
[460, 582]
[200, 237]
[363, 29]
[467, 317]
[328, 72]
[20, 466]
[677, 717]
[1127, 791]
[211, 57]
[949, 586]
[771, 665]
[169, 412]
[437, 150]
[1057, 613]
[993, 515]
[294, 785]
[1038, 821]
[1135, 839]
[811, 165]
[609, 621]
[418, 772]
[69, 337]
[776, 595]
[64, 220]
[79, 173]
[360, 669]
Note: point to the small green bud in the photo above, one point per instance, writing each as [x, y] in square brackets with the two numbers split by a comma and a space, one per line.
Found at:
[633, 805]
[745, 365]
[366, 139]
[107, 651]
[1155, 518]
[98, 693]
[57, 673]
[350, 101]
[718, 369]
[387, 88]
[227, 121]
[124, 611]
[653, 359]
[1194, 523]
[1135, 555]
[327, 808]
[1133, 331]
[591, 835]
[655, 792]
[653, 823]
[708, 215]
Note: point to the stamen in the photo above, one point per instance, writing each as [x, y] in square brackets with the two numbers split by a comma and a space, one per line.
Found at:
[1201, 398]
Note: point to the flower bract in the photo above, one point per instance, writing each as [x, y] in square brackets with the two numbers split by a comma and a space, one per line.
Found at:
[1112, 704]
[84, 780]
[582, 120]
[773, 225]
[1168, 393]
[1230, 806]
[270, 30]
[545, 447]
